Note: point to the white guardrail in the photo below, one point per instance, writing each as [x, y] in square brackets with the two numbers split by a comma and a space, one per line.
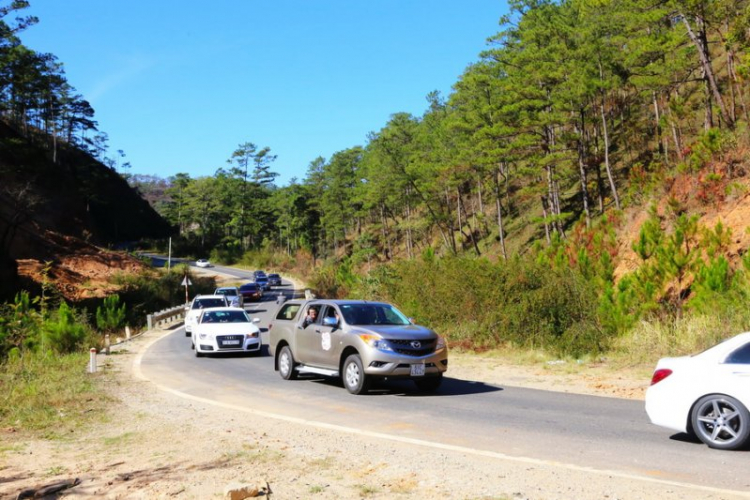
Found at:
[165, 316]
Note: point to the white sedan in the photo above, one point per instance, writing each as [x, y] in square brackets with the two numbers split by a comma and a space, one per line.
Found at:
[706, 395]
[203, 263]
[225, 329]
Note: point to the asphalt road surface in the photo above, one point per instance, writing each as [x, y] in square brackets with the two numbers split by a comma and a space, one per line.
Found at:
[580, 431]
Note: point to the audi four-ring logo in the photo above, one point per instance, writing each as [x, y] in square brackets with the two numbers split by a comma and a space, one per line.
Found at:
[416, 344]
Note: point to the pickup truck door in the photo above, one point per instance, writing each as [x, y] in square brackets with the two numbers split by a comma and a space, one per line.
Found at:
[329, 340]
[307, 340]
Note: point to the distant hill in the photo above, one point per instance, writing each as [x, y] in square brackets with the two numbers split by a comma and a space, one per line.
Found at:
[77, 199]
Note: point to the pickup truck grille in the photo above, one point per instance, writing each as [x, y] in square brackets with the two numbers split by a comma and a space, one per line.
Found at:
[413, 347]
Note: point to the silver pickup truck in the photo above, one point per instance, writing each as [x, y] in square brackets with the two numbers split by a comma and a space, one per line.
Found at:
[357, 341]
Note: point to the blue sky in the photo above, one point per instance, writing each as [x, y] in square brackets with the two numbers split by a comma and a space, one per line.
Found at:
[179, 84]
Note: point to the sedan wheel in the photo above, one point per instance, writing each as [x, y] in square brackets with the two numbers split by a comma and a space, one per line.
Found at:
[287, 364]
[721, 422]
[355, 380]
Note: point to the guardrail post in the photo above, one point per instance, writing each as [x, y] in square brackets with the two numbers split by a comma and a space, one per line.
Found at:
[127, 333]
[106, 344]
[150, 321]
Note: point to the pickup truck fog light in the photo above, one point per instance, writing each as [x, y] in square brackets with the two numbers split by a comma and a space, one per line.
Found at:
[378, 364]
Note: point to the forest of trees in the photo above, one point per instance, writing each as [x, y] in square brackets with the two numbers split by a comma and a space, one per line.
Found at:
[572, 110]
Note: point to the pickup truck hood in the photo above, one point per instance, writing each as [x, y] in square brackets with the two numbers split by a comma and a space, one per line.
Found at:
[405, 332]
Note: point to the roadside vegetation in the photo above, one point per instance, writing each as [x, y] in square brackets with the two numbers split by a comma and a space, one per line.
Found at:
[44, 344]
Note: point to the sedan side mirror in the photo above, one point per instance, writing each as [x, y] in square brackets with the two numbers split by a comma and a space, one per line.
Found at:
[256, 320]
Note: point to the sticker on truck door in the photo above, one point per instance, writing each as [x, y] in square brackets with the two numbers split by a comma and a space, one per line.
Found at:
[325, 341]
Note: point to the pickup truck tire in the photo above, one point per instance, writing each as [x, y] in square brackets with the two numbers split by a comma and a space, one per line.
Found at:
[287, 364]
[429, 384]
[355, 380]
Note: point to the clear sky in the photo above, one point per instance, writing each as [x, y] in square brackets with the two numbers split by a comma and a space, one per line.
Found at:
[179, 84]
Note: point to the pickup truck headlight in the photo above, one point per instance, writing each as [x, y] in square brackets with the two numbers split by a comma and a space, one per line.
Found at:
[440, 343]
[376, 342]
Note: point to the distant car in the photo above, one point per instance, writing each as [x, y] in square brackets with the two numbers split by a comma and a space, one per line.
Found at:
[706, 395]
[233, 295]
[199, 303]
[258, 273]
[357, 341]
[203, 263]
[274, 279]
[251, 291]
[262, 282]
[225, 329]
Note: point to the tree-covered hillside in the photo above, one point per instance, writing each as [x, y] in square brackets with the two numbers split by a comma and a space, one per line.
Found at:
[579, 114]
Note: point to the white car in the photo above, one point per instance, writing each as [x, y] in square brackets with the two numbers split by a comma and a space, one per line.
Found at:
[226, 329]
[233, 295]
[203, 263]
[706, 395]
[199, 303]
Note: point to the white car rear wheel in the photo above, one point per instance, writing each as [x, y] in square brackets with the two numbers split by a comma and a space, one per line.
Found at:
[721, 422]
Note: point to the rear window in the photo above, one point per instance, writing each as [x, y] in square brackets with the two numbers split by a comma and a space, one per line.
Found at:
[206, 303]
[248, 288]
[288, 311]
[740, 356]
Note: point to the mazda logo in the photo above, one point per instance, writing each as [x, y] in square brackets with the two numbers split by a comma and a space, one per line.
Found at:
[416, 344]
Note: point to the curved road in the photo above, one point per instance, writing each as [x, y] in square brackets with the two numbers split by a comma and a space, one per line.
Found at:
[605, 434]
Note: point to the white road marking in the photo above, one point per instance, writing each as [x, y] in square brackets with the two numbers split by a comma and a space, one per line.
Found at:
[428, 444]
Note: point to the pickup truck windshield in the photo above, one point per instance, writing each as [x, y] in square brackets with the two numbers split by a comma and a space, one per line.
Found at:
[373, 314]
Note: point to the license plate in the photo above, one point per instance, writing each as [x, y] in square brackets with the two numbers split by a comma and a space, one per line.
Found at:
[417, 370]
[231, 342]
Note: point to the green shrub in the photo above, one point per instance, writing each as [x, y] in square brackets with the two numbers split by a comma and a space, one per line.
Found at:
[110, 317]
[65, 332]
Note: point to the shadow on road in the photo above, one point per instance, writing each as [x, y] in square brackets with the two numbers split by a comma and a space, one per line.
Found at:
[407, 388]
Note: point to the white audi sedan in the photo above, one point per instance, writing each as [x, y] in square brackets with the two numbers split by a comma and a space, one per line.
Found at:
[225, 329]
[706, 395]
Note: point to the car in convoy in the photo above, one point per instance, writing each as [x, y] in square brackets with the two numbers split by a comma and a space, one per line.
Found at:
[274, 280]
[225, 329]
[262, 282]
[203, 263]
[251, 291]
[706, 395]
[258, 273]
[200, 302]
[356, 340]
[233, 295]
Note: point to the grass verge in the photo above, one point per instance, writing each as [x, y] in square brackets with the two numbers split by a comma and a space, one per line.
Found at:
[49, 395]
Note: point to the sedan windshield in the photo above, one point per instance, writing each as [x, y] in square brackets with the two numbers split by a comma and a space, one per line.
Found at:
[226, 291]
[373, 314]
[204, 303]
[224, 317]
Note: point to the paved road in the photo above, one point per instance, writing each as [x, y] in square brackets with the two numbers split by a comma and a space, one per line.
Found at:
[586, 431]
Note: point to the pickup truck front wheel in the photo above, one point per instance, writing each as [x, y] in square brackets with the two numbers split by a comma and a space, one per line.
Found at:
[287, 364]
[355, 380]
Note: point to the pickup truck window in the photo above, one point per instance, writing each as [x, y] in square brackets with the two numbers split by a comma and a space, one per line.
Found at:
[288, 312]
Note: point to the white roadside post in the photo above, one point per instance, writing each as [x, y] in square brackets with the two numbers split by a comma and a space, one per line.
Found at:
[92, 360]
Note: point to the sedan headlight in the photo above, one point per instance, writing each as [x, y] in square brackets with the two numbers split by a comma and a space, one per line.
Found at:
[252, 335]
[202, 335]
[376, 342]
